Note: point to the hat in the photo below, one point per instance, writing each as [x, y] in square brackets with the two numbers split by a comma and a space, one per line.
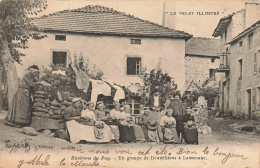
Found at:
[100, 103]
[34, 67]
[76, 99]
[147, 109]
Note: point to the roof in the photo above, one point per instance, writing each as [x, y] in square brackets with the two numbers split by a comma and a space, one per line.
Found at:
[102, 20]
[200, 46]
[246, 31]
[224, 23]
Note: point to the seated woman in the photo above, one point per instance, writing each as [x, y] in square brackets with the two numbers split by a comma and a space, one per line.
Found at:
[143, 122]
[152, 126]
[112, 121]
[80, 126]
[168, 124]
[115, 112]
[126, 129]
[88, 116]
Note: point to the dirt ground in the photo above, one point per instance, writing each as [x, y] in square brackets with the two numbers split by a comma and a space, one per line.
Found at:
[223, 133]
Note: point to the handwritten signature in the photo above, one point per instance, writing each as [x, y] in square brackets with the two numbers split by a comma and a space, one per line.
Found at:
[15, 146]
[37, 160]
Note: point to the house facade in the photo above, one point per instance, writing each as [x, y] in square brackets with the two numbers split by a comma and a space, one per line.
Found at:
[237, 60]
[244, 95]
[120, 45]
[201, 61]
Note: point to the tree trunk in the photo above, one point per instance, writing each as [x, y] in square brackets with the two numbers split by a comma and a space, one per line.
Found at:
[10, 70]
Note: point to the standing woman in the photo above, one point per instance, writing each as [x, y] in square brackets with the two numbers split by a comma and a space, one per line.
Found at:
[20, 111]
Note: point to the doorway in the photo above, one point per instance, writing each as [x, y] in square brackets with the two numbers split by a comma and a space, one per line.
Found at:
[249, 103]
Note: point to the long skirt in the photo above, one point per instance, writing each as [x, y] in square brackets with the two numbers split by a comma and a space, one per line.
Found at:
[20, 111]
[170, 135]
[151, 135]
[115, 131]
[78, 132]
[145, 131]
[126, 133]
[139, 134]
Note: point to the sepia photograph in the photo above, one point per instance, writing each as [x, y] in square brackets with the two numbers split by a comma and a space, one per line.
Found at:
[130, 83]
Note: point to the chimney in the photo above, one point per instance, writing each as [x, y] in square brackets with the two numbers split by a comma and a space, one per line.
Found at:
[169, 18]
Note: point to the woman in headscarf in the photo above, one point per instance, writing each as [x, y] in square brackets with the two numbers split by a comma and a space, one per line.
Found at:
[20, 111]
[88, 113]
[80, 128]
[168, 124]
[126, 129]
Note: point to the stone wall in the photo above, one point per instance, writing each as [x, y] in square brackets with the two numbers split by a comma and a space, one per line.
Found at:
[197, 69]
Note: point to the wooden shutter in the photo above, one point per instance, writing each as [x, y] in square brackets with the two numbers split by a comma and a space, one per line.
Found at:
[254, 99]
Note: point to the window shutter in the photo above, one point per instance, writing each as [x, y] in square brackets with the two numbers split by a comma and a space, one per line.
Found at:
[254, 100]
[255, 63]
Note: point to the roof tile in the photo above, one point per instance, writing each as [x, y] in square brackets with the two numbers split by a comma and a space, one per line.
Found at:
[200, 46]
[99, 19]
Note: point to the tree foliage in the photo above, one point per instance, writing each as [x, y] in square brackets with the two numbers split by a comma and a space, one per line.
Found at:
[67, 83]
[16, 28]
[157, 79]
[204, 90]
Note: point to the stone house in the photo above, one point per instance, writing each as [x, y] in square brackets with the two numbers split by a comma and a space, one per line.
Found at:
[119, 44]
[201, 61]
[239, 45]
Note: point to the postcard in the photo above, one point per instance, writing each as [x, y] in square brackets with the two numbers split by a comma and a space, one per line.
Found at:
[129, 84]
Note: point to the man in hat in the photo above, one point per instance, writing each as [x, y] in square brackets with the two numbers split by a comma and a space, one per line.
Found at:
[20, 111]
[178, 112]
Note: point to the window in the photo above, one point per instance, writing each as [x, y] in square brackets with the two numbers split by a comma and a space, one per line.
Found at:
[212, 60]
[240, 68]
[59, 58]
[60, 37]
[135, 41]
[250, 41]
[133, 66]
[211, 73]
[240, 43]
[255, 63]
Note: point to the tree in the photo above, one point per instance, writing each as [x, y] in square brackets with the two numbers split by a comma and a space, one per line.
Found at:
[15, 30]
[156, 79]
[205, 90]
